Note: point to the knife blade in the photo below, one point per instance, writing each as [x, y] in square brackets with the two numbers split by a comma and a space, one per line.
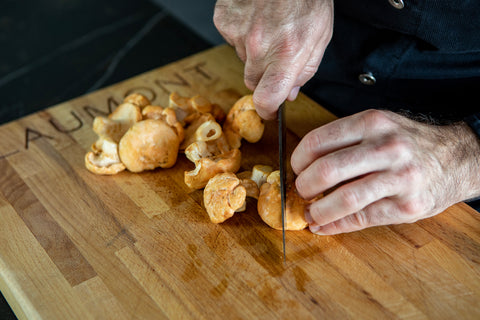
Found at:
[282, 138]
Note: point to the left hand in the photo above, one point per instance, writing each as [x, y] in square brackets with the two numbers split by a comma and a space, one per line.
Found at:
[386, 168]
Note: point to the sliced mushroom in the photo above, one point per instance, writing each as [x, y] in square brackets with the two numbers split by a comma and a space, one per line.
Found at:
[260, 174]
[223, 195]
[269, 205]
[210, 158]
[104, 159]
[243, 121]
[149, 144]
[201, 127]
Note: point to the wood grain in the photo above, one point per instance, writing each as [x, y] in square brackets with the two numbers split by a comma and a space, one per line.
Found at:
[75, 245]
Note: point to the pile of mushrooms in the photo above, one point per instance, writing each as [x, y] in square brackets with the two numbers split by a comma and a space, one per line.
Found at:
[136, 136]
[139, 136]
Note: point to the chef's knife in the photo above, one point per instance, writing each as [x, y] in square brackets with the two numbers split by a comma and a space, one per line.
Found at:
[282, 137]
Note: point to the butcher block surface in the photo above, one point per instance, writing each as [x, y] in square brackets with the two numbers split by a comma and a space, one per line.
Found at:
[75, 245]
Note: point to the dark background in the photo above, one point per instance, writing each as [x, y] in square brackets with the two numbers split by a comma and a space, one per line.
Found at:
[54, 50]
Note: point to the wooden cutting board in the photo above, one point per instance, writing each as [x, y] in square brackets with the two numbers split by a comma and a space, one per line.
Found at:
[74, 245]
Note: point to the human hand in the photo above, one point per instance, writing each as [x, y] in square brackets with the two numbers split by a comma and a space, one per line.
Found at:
[386, 169]
[281, 43]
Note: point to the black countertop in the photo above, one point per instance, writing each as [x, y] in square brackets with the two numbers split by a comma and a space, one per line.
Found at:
[55, 50]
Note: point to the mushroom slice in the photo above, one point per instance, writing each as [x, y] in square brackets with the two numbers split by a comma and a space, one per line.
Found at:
[223, 195]
[149, 144]
[209, 160]
[137, 99]
[243, 121]
[104, 159]
[269, 205]
[260, 173]
[201, 127]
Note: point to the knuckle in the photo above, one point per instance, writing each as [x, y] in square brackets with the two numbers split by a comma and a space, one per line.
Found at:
[410, 176]
[397, 146]
[326, 172]
[373, 118]
[350, 199]
[311, 142]
[412, 208]
[360, 219]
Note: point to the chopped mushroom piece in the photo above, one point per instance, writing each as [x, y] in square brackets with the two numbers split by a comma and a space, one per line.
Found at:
[223, 195]
[210, 158]
[201, 127]
[149, 144]
[104, 159]
[269, 205]
[260, 174]
[243, 121]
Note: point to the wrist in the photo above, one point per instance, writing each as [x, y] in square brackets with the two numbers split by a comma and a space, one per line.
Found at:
[467, 154]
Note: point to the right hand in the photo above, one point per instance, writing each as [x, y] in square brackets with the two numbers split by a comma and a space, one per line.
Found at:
[281, 42]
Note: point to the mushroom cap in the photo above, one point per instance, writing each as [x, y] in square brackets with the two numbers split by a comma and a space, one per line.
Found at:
[118, 122]
[269, 205]
[243, 121]
[208, 167]
[223, 195]
[149, 144]
[200, 104]
[166, 114]
[137, 99]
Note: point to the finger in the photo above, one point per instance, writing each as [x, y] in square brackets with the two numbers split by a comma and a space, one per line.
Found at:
[333, 136]
[253, 72]
[353, 197]
[240, 50]
[381, 213]
[343, 165]
[273, 88]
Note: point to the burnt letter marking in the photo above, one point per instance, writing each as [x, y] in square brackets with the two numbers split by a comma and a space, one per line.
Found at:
[31, 135]
[61, 129]
[181, 82]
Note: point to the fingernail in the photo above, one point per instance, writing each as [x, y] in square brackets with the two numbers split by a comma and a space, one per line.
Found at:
[293, 93]
[315, 228]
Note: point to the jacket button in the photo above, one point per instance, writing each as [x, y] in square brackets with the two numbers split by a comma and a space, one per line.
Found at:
[397, 4]
[367, 79]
